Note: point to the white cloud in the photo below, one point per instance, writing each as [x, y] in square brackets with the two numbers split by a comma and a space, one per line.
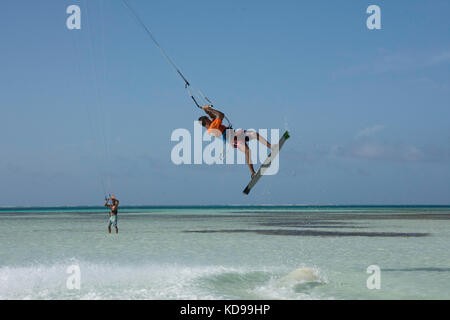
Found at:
[385, 151]
[369, 131]
[385, 61]
[440, 58]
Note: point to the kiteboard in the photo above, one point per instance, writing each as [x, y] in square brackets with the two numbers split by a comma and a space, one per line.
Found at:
[266, 163]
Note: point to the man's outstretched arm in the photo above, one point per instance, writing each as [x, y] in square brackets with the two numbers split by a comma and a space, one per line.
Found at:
[213, 113]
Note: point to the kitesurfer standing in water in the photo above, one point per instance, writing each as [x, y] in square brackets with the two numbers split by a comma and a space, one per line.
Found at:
[237, 139]
[114, 206]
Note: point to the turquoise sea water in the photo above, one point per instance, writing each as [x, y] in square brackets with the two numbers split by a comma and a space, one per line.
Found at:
[289, 252]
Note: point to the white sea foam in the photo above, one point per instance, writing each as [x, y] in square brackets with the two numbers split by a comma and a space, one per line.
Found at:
[150, 281]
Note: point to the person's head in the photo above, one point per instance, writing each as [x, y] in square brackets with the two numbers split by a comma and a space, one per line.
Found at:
[204, 121]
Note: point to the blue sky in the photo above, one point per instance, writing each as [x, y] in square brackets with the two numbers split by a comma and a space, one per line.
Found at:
[368, 110]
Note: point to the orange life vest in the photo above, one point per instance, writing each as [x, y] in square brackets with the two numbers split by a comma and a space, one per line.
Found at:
[216, 128]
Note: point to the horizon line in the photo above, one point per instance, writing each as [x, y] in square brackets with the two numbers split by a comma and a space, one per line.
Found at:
[226, 205]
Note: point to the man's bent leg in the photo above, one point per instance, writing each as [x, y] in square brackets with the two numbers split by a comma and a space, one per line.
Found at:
[255, 135]
[244, 148]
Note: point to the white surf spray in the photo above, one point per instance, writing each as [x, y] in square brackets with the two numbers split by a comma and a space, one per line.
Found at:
[301, 275]
[296, 285]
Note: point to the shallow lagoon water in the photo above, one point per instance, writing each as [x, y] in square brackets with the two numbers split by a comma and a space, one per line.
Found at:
[226, 252]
